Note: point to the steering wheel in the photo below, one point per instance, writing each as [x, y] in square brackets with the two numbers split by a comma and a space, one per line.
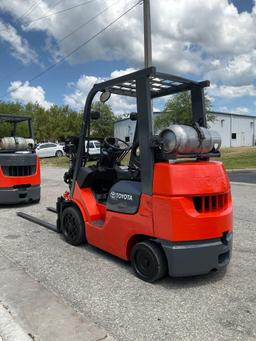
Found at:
[113, 142]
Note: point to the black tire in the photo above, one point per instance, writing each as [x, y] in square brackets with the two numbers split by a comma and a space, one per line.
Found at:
[148, 261]
[73, 227]
[59, 153]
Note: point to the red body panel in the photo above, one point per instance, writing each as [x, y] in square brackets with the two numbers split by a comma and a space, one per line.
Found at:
[176, 219]
[10, 181]
[190, 178]
[169, 214]
[175, 186]
[118, 228]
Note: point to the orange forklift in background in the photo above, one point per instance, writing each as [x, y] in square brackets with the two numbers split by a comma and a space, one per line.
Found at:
[19, 164]
[164, 214]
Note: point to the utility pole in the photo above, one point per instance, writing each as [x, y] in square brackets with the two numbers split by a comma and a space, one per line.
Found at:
[147, 34]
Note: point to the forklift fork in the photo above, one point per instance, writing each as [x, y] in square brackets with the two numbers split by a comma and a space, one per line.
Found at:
[38, 221]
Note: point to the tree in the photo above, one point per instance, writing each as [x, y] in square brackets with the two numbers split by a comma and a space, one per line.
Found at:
[104, 126]
[178, 109]
[58, 122]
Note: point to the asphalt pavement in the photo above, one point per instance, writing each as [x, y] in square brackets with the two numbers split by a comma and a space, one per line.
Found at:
[245, 176]
[104, 290]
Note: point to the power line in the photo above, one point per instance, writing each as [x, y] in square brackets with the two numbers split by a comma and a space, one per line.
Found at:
[34, 6]
[84, 43]
[25, 14]
[68, 35]
[29, 10]
[87, 22]
[61, 11]
[79, 47]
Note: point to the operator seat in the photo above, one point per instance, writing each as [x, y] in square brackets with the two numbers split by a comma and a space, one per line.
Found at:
[99, 180]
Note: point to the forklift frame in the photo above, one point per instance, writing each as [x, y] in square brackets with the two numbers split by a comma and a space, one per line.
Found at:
[144, 85]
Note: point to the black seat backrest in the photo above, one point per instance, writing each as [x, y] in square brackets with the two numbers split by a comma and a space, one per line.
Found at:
[86, 177]
[100, 181]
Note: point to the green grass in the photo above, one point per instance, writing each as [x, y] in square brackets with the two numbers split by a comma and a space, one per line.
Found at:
[55, 162]
[239, 158]
[233, 158]
[59, 162]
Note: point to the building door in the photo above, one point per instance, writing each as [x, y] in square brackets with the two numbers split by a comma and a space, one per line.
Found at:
[243, 141]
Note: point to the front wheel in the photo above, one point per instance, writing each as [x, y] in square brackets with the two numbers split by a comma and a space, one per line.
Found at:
[148, 261]
[73, 227]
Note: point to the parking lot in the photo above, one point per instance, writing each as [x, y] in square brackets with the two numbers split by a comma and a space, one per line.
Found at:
[219, 306]
[245, 176]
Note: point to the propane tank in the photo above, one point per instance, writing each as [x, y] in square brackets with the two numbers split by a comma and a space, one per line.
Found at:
[20, 143]
[183, 139]
[7, 143]
[30, 142]
[15, 143]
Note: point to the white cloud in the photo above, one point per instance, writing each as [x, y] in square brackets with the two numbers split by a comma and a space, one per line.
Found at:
[20, 48]
[231, 91]
[119, 104]
[84, 84]
[199, 37]
[25, 93]
[237, 70]
[236, 110]
[241, 110]
[208, 39]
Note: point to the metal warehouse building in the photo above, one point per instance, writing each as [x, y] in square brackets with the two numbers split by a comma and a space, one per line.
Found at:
[235, 130]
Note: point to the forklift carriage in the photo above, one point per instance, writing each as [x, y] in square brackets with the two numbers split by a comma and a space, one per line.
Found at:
[164, 216]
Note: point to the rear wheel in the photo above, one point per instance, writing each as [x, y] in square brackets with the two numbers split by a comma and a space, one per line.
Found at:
[59, 153]
[148, 261]
[73, 227]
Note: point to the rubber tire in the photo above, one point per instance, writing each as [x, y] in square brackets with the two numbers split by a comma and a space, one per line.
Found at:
[59, 153]
[155, 254]
[74, 214]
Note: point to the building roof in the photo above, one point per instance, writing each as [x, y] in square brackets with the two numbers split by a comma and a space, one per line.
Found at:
[231, 114]
[212, 112]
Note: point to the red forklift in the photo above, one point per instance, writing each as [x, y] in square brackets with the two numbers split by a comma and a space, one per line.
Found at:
[19, 164]
[170, 210]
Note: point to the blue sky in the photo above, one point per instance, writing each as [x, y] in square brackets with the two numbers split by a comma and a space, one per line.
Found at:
[212, 40]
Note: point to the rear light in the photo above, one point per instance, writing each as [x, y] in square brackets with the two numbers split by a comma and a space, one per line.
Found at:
[211, 203]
